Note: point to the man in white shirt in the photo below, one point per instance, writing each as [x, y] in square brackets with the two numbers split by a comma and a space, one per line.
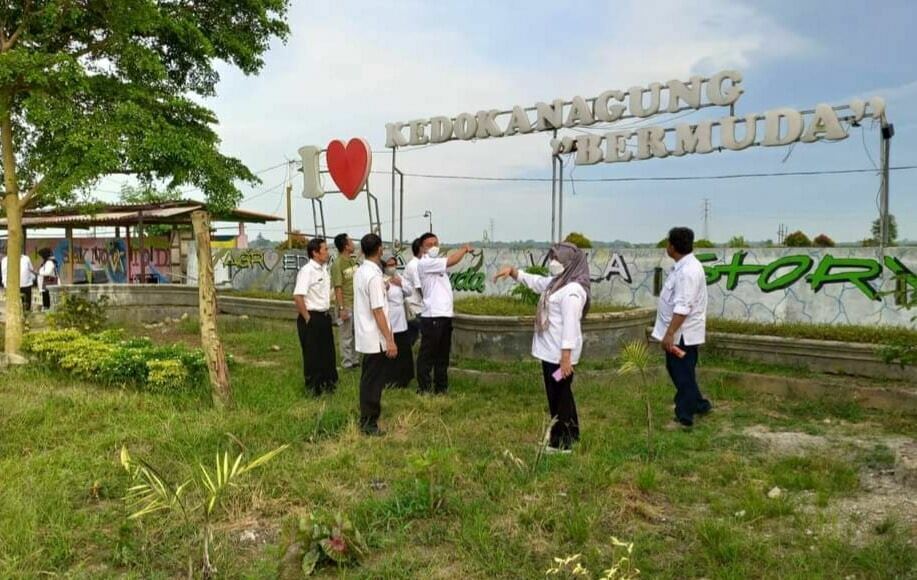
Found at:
[436, 317]
[372, 332]
[26, 278]
[312, 296]
[681, 324]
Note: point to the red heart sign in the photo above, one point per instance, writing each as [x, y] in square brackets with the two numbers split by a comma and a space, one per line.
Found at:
[349, 166]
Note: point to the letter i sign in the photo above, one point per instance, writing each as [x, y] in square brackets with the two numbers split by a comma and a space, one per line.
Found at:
[349, 165]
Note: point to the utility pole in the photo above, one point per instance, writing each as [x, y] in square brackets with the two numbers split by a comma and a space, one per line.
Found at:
[887, 132]
[781, 234]
[290, 215]
[706, 218]
[491, 229]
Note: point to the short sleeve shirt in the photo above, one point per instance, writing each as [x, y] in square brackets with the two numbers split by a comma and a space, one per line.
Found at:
[369, 294]
[342, 272]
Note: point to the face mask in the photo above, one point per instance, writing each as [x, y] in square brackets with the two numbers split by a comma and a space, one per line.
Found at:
[555, 268]
[433, 252]
[391, 270]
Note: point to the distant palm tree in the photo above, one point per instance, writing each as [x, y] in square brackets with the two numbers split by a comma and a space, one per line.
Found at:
[635, 358]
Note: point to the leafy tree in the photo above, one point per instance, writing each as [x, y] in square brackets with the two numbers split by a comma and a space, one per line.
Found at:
[823, 241]
[93, 88]
[663, 243]
[737, 242]
[797, 240]
[702, 243]
[892, 229]
[146, 194]
[298, 239]
[578, 240]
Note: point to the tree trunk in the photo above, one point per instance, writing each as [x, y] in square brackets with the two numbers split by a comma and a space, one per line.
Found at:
[207, 308]
[13, 207]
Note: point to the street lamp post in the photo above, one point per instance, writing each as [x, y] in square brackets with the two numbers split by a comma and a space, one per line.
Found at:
[429, 214]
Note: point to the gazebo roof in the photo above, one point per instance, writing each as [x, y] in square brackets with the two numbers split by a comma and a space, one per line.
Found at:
[168, 212]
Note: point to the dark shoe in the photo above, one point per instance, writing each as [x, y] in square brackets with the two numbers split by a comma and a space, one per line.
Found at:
[372, 431]
[704, 407]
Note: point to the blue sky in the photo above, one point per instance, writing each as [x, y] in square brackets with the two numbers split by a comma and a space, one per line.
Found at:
[350, 67]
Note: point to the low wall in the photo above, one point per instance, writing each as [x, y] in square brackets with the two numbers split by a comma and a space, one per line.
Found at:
[510, 337]
[825, 356]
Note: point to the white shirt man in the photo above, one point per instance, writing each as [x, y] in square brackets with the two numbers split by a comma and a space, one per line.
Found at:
[565, 311]
[684, 292]
[681, 320]
[412, 286]
[26, 272]
[373, 333]
[312, 296]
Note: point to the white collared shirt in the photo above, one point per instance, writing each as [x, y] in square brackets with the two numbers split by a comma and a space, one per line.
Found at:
[26, 273]
[684, 292]
[397, 316]
[314, 282]
[411, 285]
[47, 270]
[565, 312]
[435, 287]
[368, 294]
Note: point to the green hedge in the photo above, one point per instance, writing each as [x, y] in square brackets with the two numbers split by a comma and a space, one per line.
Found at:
[511, 306]
[108, 358]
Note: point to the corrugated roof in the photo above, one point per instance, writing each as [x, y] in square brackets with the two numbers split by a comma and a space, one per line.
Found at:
[172, 212]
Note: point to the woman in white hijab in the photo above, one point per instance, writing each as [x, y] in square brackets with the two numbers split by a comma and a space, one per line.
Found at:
[558, 339]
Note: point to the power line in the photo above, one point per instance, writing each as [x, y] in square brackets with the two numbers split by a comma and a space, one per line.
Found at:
[659, 178]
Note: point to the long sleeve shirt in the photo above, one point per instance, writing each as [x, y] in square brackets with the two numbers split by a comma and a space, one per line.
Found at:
[565, 311]
[684, 292]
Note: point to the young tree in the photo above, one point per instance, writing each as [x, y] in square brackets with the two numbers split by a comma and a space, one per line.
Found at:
[89, 89]
[737, 242]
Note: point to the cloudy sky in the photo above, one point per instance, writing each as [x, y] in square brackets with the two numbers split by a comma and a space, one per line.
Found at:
[350, 67]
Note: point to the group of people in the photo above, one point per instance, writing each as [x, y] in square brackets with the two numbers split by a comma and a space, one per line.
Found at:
[45, 276]
[381, 315]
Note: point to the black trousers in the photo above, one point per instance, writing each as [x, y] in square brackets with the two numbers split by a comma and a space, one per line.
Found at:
[25, 292]
[374, 371]
[318, 353]
[46, 299]
[435, 346]
[562, 407]
[688, 398]
[401, 370]
[413, 330]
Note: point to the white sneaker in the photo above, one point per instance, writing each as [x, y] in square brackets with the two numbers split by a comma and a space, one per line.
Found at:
[557, 451]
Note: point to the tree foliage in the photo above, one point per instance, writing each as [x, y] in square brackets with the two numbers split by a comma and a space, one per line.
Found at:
[823, 241]
[578, 240]
[797, 239]
[892, 229]
[737, 242]
[96, 88]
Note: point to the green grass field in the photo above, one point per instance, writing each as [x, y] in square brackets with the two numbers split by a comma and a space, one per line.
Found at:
[440, 496]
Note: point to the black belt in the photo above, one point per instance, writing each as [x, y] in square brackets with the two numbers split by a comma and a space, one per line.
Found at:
[325, 312]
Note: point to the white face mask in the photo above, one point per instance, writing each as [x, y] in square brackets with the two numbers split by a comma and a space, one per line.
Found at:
[433, 252]
[555, 268]
[391, 270]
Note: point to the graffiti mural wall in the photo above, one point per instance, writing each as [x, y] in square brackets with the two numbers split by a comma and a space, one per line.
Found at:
[833, 285]
[104, 260]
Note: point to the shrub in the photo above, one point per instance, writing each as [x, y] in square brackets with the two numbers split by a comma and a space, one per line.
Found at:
[299, 239]
[823, 241]
[797, 240]
[578, 240]
[737, 242]
[76, 311]
[108, 358]
[702, 243]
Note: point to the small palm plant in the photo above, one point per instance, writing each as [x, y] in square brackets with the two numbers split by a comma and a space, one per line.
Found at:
[151, 492]
[635, 358]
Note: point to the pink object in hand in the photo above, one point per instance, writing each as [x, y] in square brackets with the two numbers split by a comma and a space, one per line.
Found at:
[558, 375]
[677, 352]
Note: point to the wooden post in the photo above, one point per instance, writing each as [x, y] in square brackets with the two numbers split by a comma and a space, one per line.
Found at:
[127, 245]
[70, 250]
[142, 253]
[220, 389]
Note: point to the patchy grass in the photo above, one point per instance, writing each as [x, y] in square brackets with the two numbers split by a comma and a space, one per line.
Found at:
[263, 294]
[509, 306]
[840, 332]
[456, 488]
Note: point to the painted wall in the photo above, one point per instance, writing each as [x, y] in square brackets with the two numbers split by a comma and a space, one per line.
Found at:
[834, 285]
[103, 257]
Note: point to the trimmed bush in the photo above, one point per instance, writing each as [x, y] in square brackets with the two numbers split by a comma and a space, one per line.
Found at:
[75, 311]
[109, 359]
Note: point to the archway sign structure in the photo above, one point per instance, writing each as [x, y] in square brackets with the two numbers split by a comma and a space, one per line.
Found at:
[777, 127]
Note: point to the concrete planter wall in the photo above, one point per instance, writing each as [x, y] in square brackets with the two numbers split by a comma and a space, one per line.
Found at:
[510, 337]
[154, 302]
[843, 358]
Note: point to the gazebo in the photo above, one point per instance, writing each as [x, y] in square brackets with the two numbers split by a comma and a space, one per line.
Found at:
[170, 213]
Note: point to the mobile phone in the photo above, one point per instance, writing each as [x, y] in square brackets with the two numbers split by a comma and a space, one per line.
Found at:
[677, 352]
[558, 375]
